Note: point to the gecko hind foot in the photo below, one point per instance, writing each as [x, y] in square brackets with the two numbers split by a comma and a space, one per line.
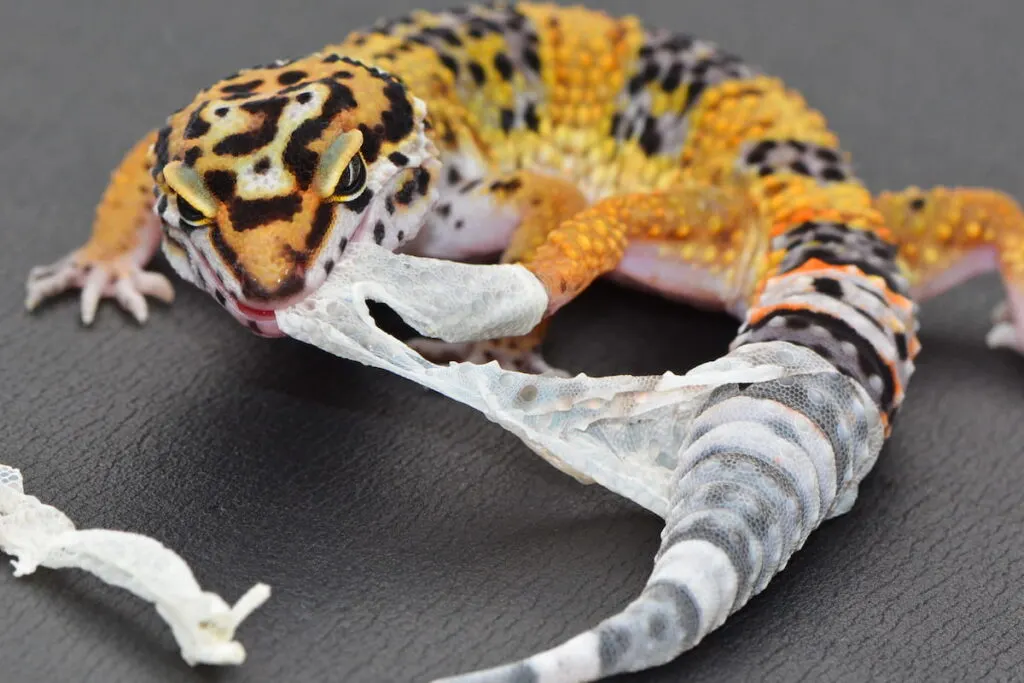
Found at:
[121, 279]
[508, 356]
[1005, 332]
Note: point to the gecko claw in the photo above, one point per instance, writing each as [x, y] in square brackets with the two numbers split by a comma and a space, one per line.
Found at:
[120, 279]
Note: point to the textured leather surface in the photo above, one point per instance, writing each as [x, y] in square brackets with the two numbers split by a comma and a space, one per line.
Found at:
[405, 536]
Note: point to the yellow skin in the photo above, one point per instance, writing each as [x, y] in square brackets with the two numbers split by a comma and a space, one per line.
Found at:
[554, 187]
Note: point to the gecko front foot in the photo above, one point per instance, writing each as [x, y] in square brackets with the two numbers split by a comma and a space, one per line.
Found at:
[120, 278]
[509, 356]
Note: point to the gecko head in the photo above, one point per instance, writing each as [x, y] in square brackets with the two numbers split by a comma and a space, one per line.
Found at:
[264, 179]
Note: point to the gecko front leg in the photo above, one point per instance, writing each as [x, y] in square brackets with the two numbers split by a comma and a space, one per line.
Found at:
[125, 235]
[568, 243]
[531, 206]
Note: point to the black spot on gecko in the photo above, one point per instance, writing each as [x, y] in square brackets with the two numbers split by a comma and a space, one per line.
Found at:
[827, 155]
[828, 286]
[477, 72]
[901, 345]
[833, 174]
[398, 120]
[242, 88]
[530, 117]
[240, 144]
[507, 119]
[759, 154]
[673, 78]
[331, 58]
[378, 232]
[371, 142]
[449, 63]
[800, 167]
[444, 210]
[321, 223]
[422, 178]
[454, 177]
[304, 97]
[291, 77]
[196, 126]
[504, 65]
[917, 204]
[531, 59]
[191, 155]
[249, 214]
[459, 224]
[389, 204]
[261, 166]
[328, 266]
[693, 92]
[650, 139]
[405, 192]
[616, 121]
[221, 111]
[221, 184]
[506, 185]
[398, 159]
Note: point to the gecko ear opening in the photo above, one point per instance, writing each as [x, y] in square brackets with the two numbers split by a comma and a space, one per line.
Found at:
[335, 160]
[187, 184]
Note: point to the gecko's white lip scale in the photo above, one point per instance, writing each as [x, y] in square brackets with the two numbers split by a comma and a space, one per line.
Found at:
[262, 320]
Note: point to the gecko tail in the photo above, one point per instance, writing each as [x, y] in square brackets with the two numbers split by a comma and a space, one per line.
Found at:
[763, 465]
[688, 595]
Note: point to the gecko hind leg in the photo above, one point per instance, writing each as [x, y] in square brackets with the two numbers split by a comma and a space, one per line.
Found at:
[950, 235]
[519, 354]
[126, 235]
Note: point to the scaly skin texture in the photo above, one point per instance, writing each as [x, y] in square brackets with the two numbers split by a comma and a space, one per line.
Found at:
[580, 145]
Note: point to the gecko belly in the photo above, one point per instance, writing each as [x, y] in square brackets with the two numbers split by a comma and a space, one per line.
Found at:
[647, 266]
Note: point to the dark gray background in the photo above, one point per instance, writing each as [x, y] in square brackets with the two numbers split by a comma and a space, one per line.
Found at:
[403, 534]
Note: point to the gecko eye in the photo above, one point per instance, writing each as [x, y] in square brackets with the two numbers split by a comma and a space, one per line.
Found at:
[351, 181]
[190, 214]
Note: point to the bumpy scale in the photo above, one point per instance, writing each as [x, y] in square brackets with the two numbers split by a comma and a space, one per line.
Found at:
[580, 145]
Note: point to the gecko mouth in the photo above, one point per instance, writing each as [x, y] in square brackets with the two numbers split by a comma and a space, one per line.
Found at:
[260, 318]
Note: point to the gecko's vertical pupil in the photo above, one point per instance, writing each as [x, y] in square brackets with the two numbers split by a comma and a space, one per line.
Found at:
[352, 179]
[189, 213]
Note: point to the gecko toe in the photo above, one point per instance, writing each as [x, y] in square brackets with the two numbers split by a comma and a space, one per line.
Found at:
[120, 279]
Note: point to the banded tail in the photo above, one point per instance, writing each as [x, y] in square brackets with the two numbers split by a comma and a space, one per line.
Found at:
[762, 467]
